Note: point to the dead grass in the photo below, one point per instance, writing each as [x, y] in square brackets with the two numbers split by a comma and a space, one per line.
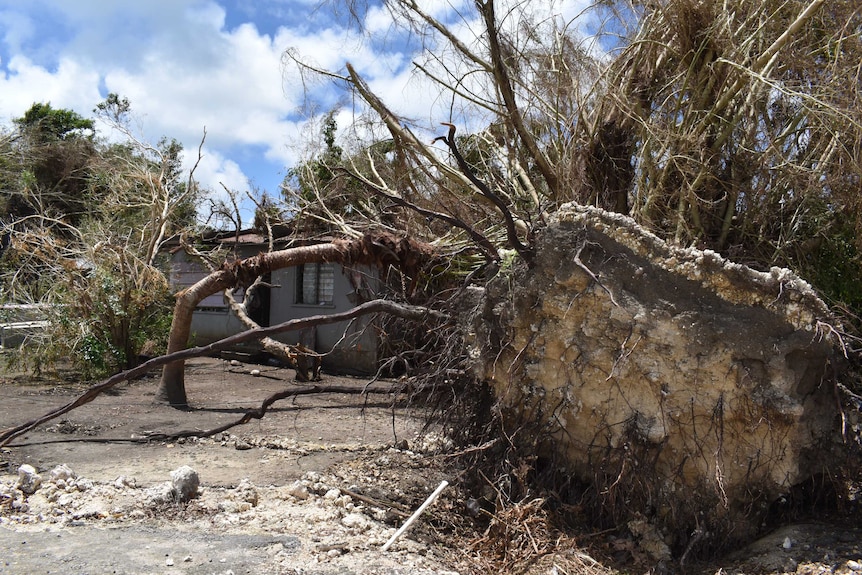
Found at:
[521, 539]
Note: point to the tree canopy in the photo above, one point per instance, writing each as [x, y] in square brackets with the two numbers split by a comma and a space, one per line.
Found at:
[46, 124]
[724, 126]
[84, 223]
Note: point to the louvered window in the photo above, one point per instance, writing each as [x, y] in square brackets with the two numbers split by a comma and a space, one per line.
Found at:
[315, 284]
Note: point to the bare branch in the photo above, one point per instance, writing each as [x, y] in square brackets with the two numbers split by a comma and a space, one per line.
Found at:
[414, 313]
[511, 229]
[484, 243]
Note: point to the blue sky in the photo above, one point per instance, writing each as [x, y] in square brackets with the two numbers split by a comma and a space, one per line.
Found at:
[186, 66]
[190, 65]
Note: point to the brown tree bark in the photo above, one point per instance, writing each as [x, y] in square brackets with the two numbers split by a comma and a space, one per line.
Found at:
[378, 249]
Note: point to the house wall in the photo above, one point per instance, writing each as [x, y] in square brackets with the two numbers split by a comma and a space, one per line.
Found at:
[350, 347]
[211, 321]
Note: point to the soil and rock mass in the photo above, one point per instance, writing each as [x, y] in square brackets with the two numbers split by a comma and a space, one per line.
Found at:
[316, 487]
[692, 392]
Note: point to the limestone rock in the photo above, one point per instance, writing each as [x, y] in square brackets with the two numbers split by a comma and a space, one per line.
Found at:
[64, 473]
[355, 521]
[185, 483]
[680, 385]
[298, 490]
[160, 494]
[247, 492]
[28, 480]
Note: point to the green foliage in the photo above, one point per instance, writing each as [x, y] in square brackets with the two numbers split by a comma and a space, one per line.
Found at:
[46, 124]
[115, 107]
[307, 179]
[46, 163]
[834, 266]
[83, 232]
[319, 193]
[109, 313]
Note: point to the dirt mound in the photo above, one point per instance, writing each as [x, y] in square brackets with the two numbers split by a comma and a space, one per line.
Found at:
[690, 392]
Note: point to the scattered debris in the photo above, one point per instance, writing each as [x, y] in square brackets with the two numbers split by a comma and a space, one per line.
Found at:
[28, 480]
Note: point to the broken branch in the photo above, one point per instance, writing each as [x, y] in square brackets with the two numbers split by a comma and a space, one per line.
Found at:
[411, 312]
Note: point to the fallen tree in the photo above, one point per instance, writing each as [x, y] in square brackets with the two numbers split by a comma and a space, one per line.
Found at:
[371, 249]
[683, 389]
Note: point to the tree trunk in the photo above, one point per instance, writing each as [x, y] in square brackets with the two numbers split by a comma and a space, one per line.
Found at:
[380, 249]
[172, 386]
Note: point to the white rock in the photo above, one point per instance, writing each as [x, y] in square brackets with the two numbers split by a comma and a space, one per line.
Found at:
[83, 484]
[787, 543]
[247, 492]
[28, 480]
[62, 472]
[355, 521]
[159, 494]
[91, 509]
[255, 372]
[854, 565]
[123, 481]
[332, 494]
[51, 495]
[298, 490]
[185, 482]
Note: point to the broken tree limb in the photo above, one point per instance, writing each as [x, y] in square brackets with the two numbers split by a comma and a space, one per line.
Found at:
[488, 248]
[261, 411]
[381, 249]
[374, 306]
[257, 413]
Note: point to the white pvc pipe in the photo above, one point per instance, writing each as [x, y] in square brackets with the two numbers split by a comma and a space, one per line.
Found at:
[415, 515]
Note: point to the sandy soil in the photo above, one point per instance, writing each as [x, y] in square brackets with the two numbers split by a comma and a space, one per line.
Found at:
[316, 487]
[294, 460]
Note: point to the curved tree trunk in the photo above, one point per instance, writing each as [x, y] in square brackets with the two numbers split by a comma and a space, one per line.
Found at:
[379, 249]
[172, 386]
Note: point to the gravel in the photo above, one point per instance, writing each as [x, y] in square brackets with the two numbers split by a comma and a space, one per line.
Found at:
[74, 525]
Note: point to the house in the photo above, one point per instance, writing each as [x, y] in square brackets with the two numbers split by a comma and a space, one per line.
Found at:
[19, 322]
[292, 293]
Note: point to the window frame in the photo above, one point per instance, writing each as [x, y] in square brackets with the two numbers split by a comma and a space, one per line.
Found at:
[301, 289]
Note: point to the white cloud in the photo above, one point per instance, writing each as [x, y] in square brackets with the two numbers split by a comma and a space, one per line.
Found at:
[215, 173]
[16, 29]
[187, 65]
[70, 86]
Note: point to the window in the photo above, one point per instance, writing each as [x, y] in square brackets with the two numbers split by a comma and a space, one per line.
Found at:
[315, 284]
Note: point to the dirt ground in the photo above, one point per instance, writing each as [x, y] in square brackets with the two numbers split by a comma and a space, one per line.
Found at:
[316, 487]
[325, 428]
[294, 459]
